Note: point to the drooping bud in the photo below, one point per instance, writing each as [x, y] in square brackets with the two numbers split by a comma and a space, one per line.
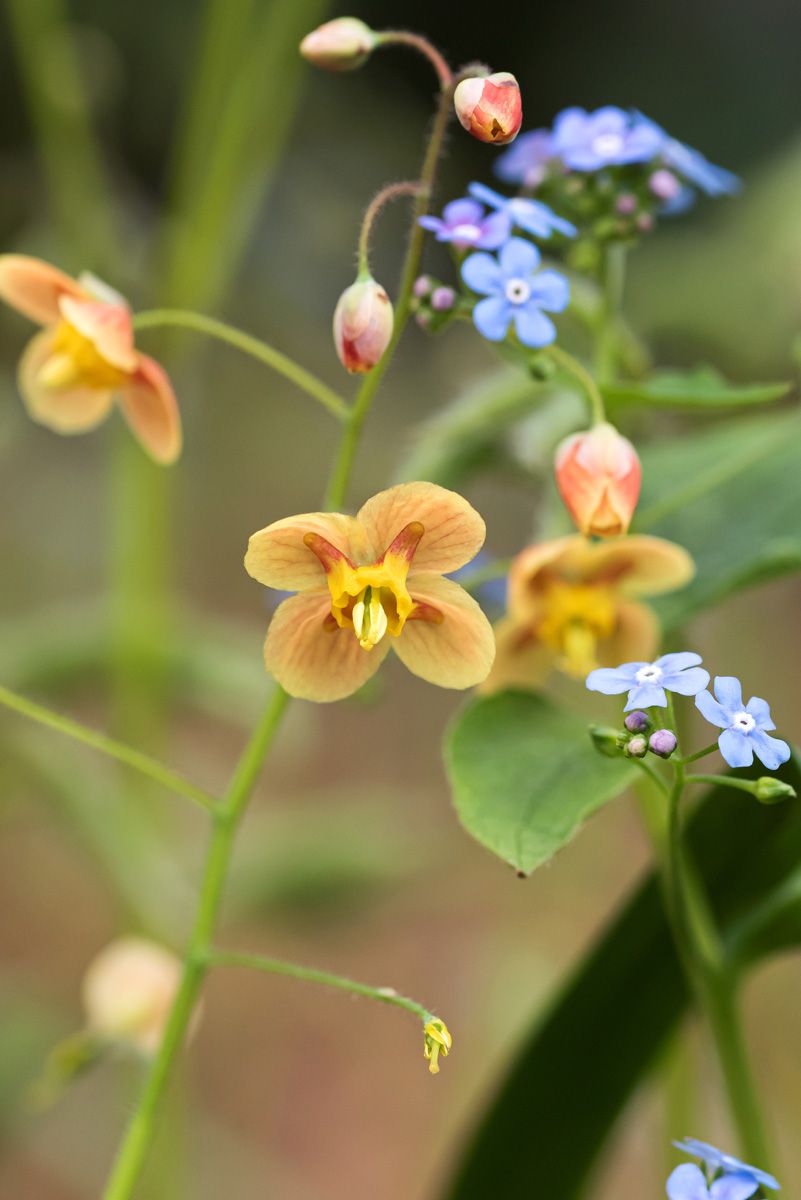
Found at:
[436, 1040]
[363, 323]
[771, 791]
[637, 721]
[598, 475]
[128, 991]
[490, 107]
[662, 742]
[636, 747]
[340, 45]
[607, 741]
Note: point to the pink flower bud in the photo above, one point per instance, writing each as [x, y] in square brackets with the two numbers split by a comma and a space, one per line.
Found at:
[598, 475]
[128, 991]
[363, 325]
[490, 108]
[340, 45]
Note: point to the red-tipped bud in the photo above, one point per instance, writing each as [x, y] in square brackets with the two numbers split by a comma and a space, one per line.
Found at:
[490, 108]
[598, 475]
[363, 325]
[340, 45]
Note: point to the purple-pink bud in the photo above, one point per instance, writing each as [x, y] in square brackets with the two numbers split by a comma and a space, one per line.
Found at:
[626, 204]
[662, 742]
[423, 285]
[664, 185]
[443, 299]
[636, 747]
[363, 323]
[490, 107]
[340, 45]
[637, 721]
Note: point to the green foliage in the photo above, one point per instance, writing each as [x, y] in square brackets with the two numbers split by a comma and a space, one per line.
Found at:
[702, 388]
[562, 1095]
[732, 497]
[526, 775]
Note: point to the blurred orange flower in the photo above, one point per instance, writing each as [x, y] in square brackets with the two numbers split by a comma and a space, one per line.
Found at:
[573, 606]
[369, 582]
[70, 373]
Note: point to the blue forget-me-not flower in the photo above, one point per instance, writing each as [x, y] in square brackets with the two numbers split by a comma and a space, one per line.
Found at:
[647, 683]
[516, 293]
[744, 726]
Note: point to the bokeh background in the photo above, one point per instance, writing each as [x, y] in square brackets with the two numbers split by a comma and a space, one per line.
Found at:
[242, 197]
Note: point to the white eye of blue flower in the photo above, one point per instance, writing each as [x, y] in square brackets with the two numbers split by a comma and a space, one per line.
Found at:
[649, 674]
[466, 233]
[743, 722]
[606, 145]
[518, 291]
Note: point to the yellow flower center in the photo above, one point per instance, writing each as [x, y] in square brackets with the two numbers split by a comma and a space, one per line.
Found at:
[436, 1040]
[372, 600]
[75, 359]
[576, 617]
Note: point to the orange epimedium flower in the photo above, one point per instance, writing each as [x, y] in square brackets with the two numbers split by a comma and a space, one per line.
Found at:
[598, 475]
[71, 372]
[373, 582]
[575, 605]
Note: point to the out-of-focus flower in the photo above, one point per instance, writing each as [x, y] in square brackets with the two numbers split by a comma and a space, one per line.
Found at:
[716, 1160]
[443, 299]
[608, 137]
[465, 225]
[363, 324]
[575, 604]
[665, 185]
[128, 991]
[71, 372]
[490, 107]
[744, 726]
[532, 216]
[598, 475]
[369, 582]
[516, 293]
[688, 1182]
[339, 45]
[662, 742]
[526, 161]
[436, 1041]
[647, 682]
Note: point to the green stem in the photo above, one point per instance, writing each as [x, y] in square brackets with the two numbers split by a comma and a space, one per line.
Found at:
[277, 966]
[336, 493]
[743, 785]
[652, 774]
[143, 763]
[130, 1159]
[248, 344]
[391, 192]
[573, 367]
[613, 277]
[691, 758]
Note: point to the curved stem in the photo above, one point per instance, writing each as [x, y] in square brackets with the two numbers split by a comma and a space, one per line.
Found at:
[130, 1158]
[391, 192]
[691, 758]
[336, 492]
[400, 37]
[277, 966]
[573, 367]
[143, 763]
[248, 344]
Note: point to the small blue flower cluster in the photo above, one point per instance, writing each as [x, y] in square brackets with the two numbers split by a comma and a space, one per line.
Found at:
[724, 1177]
[745, 726]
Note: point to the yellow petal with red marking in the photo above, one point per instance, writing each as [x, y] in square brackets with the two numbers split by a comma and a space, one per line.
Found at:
[34, 288]
[454, 652]
[453, 530]
[278, 556]
[107, 327]
[521, 659]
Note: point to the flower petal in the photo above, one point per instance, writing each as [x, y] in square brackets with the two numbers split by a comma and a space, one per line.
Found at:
[278, 557]
[491, 318]
[770, 751]
[760, 711]
[496, 228]
[107, 326]
[521, 660]
[612, 681]
[729, 692]
[519, 258]
[456, 652]
[551, 290]
[679, 661]
[532, 327]
[736, 748]
[687, 1182]
[66, 410]
[482, 273]
[528, 567]
[462, 212]
[636, 634]
[149, 406]
[34, 288]
[312, 661]
[638, 564]
[454, 531]
[647, 695]
[686, 683]
[708, 706]
[487, 195]
[733, 1187]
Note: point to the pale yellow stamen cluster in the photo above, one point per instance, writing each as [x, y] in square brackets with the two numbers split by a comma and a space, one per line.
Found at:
[577, 616]
[370, 621]
[76, 360]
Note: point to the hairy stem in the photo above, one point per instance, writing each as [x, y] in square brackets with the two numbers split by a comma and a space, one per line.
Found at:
[391, 192]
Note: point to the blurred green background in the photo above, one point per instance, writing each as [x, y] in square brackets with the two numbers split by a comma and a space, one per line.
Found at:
[233, 179]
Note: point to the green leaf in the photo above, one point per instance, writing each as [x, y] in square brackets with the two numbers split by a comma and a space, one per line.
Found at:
[560, 1099]
[702, 388]
[525, 776]
[732, 497]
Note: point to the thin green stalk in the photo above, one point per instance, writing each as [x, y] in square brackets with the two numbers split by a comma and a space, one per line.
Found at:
[573, 367]
[691, 758]
[143, 763]
[248, 344]
[336, 493]
[131, 1156]
[613, 277]
[391, 192]
[277, 966]
[743, 785]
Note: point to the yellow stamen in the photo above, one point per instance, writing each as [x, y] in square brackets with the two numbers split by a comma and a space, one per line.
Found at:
[436, 1040]
[76, 360]
[576, 617]
[370, 621]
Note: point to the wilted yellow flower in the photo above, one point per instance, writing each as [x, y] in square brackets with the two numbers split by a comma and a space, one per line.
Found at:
[436, 1040]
